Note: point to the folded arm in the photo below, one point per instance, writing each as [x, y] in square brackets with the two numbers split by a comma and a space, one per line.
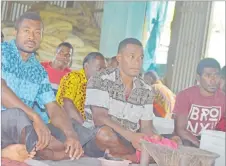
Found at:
[67, 94]
[181, 130]
[147, 127]
[10, 100]
[71, 110]
[181, 111]
[60, 119]
[100, 117]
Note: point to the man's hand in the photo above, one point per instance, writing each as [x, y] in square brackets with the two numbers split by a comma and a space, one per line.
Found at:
[135, 140]
[73, 147]
[44, 135]
[137, 137]
[196, 143]
[72, 111]
[181, 122]
[60, 120]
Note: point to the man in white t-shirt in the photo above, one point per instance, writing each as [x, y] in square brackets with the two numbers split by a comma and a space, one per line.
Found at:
[120, 104]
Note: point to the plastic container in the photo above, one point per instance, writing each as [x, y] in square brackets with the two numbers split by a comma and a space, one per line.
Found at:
[163, 126]
[105, 162]
[214, 141]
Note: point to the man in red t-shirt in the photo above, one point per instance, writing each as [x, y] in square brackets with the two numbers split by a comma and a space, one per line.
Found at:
[56, 69]
[200, 107]
[60, 64]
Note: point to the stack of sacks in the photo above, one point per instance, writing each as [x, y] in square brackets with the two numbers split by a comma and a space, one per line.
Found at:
[65, 25]
[68, 25]
[9, 33]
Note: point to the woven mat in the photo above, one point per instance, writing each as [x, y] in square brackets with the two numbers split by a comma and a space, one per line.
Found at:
[182, 156]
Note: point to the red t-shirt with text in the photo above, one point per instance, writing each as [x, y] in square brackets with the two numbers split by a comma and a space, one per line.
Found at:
[203, 112]
[54, 74]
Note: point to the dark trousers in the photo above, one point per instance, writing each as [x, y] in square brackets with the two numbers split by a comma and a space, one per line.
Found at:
[15, 120]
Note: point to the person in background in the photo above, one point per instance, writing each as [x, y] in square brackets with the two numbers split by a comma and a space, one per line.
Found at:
[164, 99]
[119, 104]
[57, 68]
[112, 62]
[2, 37]
[72, 90]
[221, 126]
[200, 107]
[223, 79]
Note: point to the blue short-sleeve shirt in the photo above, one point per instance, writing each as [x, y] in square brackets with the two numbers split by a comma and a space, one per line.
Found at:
[27, 79]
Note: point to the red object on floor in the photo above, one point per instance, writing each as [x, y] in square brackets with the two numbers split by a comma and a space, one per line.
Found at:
[221, 126]
[8, 162]
[164, 141]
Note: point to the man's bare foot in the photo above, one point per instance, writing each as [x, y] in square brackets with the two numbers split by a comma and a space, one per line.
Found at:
[17, 152]
[54, 151]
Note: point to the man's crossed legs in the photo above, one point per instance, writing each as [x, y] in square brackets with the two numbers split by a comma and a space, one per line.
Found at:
[18, 137]
[17, 129]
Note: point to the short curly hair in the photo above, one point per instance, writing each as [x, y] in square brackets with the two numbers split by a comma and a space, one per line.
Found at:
[30, 16]
[207, 63]
[91, 56]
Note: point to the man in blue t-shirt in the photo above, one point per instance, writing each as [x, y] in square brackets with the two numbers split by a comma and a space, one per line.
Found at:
[25, 81]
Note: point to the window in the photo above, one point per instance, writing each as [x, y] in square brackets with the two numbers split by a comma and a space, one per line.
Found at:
[162, 50]
[216, 44]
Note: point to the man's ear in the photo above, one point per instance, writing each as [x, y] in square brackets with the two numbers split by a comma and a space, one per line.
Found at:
[118, 57]
[86, 66]
[198, 77]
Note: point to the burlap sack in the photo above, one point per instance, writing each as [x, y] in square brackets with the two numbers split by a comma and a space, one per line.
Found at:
[183, 156]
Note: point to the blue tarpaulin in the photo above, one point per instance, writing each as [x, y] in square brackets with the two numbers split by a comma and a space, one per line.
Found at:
[155, 17]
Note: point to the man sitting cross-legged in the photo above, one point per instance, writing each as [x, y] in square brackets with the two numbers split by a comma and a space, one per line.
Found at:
[24, 82]
[200, 107]
[72, 90]
[120, 104]
[19, 140]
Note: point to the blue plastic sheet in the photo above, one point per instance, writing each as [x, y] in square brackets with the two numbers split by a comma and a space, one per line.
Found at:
[155, 17]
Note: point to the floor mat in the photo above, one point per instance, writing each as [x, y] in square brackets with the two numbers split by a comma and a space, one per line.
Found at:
[81, 162]
[8, 162]
[85, 161]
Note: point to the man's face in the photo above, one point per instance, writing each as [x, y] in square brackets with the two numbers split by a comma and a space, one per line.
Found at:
[130, 60]
[95, 66]
[29, 35]
[63, 56]
[210, 79]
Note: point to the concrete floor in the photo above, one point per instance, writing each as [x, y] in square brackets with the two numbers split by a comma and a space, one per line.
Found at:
[83, 161]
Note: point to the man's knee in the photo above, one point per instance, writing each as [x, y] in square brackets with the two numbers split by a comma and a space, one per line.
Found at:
[14, 116]
[14, 112]
[13, 122]
[105, 135]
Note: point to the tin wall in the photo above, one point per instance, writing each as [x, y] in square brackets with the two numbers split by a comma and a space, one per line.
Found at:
[10, 10]
[188, 42]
